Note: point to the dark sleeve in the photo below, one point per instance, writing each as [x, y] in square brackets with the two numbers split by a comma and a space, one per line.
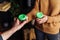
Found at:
[1, 37]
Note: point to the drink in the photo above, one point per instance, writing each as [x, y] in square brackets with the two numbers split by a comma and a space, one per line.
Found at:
[39, 15]
[22, 17]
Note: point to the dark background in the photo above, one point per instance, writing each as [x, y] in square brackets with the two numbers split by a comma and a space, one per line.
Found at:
[17, 7]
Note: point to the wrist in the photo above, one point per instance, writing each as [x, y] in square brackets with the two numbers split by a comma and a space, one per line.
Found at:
[14, 29]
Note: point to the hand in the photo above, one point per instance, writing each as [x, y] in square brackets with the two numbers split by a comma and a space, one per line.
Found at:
[43, 20]
[51, 8]
[18, 25]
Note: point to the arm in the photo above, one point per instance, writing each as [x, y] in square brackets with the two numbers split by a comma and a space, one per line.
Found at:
[17, 26]
[53, 19]
[55, 7]
[32, 13]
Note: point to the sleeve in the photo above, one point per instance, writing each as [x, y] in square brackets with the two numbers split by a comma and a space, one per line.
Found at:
[32, 13]
[55, 14]
[1, 37]
[53, 19]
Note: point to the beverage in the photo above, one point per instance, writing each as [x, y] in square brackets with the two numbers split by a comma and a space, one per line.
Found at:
[22, 17]
[39, 15]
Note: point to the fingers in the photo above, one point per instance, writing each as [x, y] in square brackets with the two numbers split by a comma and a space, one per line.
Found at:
[15, 19]
[18, 22]
[43, 20]
[24, 22]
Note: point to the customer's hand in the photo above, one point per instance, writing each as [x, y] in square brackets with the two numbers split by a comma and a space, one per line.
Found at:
[18, 24]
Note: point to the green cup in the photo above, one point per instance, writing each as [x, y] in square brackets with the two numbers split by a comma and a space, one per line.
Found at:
[39, 15]
[22, 17]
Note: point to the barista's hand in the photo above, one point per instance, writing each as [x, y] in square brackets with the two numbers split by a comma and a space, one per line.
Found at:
[42, 20]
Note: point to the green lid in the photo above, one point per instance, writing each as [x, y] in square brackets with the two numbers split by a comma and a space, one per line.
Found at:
[22, 17]
[39, 15]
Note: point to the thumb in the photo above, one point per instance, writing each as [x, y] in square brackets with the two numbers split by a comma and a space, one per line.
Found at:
[26, 21]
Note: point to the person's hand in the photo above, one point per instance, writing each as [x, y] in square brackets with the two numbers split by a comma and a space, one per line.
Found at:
[50, 8]
[18, 24]
[43, 20]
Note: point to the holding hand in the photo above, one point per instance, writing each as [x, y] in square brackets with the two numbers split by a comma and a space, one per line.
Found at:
[18, 24]
[42, 20]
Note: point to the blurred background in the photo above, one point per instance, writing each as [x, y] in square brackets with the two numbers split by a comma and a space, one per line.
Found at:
[7, 18]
